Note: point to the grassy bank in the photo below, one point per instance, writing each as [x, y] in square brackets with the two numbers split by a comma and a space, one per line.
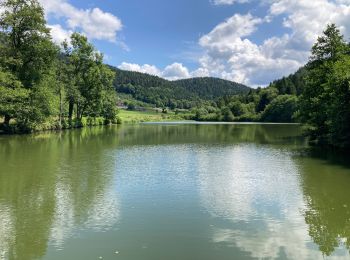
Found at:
[52, 124]
[128, 117]
[124, 117]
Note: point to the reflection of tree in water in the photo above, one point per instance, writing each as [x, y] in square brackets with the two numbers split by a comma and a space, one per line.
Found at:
[33, 168]
[327, 197]
[51, 183]
[224, 133]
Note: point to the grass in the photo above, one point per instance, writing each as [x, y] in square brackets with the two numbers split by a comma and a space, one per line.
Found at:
[128, 117]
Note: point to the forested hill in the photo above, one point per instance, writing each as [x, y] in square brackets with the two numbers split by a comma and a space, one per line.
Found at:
[211, 88]
[185, 93]
[292, 84]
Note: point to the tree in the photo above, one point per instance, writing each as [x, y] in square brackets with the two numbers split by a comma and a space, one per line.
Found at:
[266, 96]
[329, 47]
[227, 115]
[237, 108]
[27, 54]
[281, 109]
[91, 90]
[14, 99]
[325, 99]
[27, 50]
[339, 110]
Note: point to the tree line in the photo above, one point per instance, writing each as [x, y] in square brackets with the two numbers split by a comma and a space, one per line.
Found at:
[45, 86]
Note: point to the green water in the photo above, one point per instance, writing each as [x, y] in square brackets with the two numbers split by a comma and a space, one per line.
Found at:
[240, 191]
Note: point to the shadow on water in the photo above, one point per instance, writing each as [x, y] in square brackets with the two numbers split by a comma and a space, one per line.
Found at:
[329, 155]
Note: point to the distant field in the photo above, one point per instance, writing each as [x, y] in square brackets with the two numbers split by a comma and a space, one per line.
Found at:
[148, 116]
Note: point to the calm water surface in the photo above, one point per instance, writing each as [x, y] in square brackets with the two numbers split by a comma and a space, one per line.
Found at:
[240, 191]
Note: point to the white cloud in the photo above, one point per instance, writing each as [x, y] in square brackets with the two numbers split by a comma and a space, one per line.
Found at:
[173, 71]
[200, 72]
[94, 23]
[234, 27]
[146, 68]
[59, 34]
[230, 52]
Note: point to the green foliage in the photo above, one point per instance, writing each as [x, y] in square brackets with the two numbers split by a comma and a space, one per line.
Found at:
[91, 90]
[281, 109]
[317, 95]
[14, 99]
[211, 88]
[291, 85]
[265, 98]
[27, 50]
[39, 85]
[227, 115]
[325, 101]
[254, 106]
[182, 94]
[42, 87]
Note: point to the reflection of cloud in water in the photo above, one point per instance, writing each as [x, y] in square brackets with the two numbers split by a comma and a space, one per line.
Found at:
[103, 214]
[258, 191]
[288, 238]
[6, 231]
[248, 182]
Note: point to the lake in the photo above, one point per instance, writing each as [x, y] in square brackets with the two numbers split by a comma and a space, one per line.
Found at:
[173, 191]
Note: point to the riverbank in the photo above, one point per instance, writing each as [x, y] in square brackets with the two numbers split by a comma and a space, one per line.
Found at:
[53, 125]
[123, 117]
[131, 117]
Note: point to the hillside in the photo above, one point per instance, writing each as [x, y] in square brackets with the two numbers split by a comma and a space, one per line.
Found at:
[185, 93]
[212, 88]
[292, 84]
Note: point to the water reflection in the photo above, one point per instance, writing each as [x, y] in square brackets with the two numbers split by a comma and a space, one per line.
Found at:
[52, 185]
[326, 192]
[247, 179]
[283, 135]
[197, 191]
[258, 200]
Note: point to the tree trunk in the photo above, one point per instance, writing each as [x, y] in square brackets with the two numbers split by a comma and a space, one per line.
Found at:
[61, 109]
[70, 112]
[78, 112]
[7, 121]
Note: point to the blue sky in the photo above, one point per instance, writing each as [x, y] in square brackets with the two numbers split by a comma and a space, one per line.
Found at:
[248, 41]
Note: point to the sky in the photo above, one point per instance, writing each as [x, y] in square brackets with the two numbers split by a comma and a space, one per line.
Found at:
[247, 41]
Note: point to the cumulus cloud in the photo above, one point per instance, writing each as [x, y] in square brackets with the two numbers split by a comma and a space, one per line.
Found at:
[173, 71]
[231, 53]
[234, 27]
[59, 34]
[146, 68]
[200, 72]
[94, 23]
